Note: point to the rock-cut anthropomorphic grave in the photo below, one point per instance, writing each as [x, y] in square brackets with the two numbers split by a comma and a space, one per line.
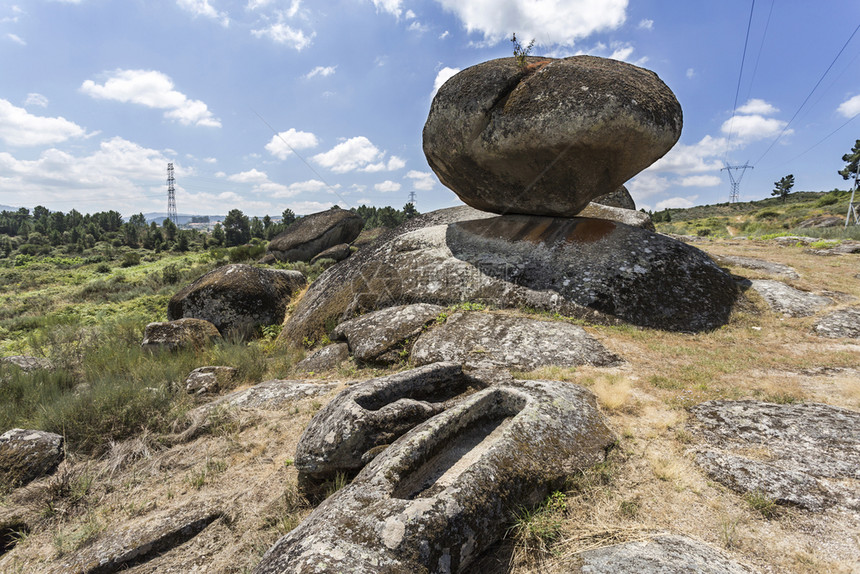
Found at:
[446, 490]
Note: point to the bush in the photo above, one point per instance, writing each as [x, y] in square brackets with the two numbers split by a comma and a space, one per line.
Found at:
[103, 268]
[767, 214]
[130, 259]
[829, 199]
[171, 274]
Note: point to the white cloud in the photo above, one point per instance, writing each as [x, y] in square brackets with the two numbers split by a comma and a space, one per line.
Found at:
[422, 180]
[690, 73]
[38, 100]
[443, 76]
[444, 35]
[700, 181]
[283, 144]
[281, 33]
[321, 71]
[681, 202]
[755, 127]
[393, 7]
[696, 158]
[154, 90]
[117, 174]
[646, 24]
[357, 153]
[308, 207]
[410, 15]
[417, 26]
[622, 52]
[387, 186]
[548, 21]
[18, 127]
[210, 160]
[757, 106]
[203, 8]
[16, 38]
[850, 107]
[251, 176]
[647, 184]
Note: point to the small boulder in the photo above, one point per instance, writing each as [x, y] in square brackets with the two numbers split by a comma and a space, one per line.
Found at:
[547, 137]
[180, 334]
[841, 323]
[486, 340]
[757, 264]
[325, 359]
[805, 455]
[271, 395]
[791, 302]
[349, 431]
[382, 335]
[336, 253]
[447, 490]
[209, 380]
[313, 234]
[663, 554]
[618, 198]
[237, 298]
[26, 455]
[28, 364]
[821, 221]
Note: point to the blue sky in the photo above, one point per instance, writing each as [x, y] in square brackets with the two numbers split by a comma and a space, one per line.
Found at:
[97, 96]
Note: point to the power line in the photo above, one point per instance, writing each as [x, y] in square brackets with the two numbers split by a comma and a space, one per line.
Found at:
[740, 75]
[760, 47]
[818, 83]
[822, 140]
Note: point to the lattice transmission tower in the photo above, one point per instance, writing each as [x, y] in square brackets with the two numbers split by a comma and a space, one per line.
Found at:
[412, 197]
[171, 197]
[736, 183]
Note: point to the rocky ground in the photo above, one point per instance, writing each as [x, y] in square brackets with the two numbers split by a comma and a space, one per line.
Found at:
[216, 496]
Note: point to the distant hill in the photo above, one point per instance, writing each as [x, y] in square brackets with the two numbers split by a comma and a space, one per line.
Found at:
[8, 208]
[182, 219]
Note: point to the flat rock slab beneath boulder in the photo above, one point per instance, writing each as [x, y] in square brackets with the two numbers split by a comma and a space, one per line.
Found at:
[272, 395]
[664, 554]
[381, 335]
[363, 419]
[593, 269]
[806, 455]
[486, 340]
[841, 323]
[757, 265]
[130, 543]
[629, 217]
[447, 489]
[324, 359]
[791, 302]
[26, 455]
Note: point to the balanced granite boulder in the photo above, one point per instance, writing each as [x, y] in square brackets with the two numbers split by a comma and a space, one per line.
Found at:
[312, 234]
[618, 214]
[363, 419]
[26, 455]
[186, 333]
[448, 489]
[547, 137]
[238, 298]
[337, 253]
[592, 269]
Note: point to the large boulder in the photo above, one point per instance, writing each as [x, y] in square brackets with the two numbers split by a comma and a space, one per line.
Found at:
[313, 234]
[547, 137]
[337, 253]
[487, 340]
[447, 490]
[180, 334]
[237, 298]
[591, 269]
[618, 214]
[805, 455]
[349, 431]
[26, 455]
[381, 336]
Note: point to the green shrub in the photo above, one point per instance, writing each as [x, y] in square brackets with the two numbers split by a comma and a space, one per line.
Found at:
[767, 214]
[103, 268]
[130, 259]
[828, 199]
[171, 274]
